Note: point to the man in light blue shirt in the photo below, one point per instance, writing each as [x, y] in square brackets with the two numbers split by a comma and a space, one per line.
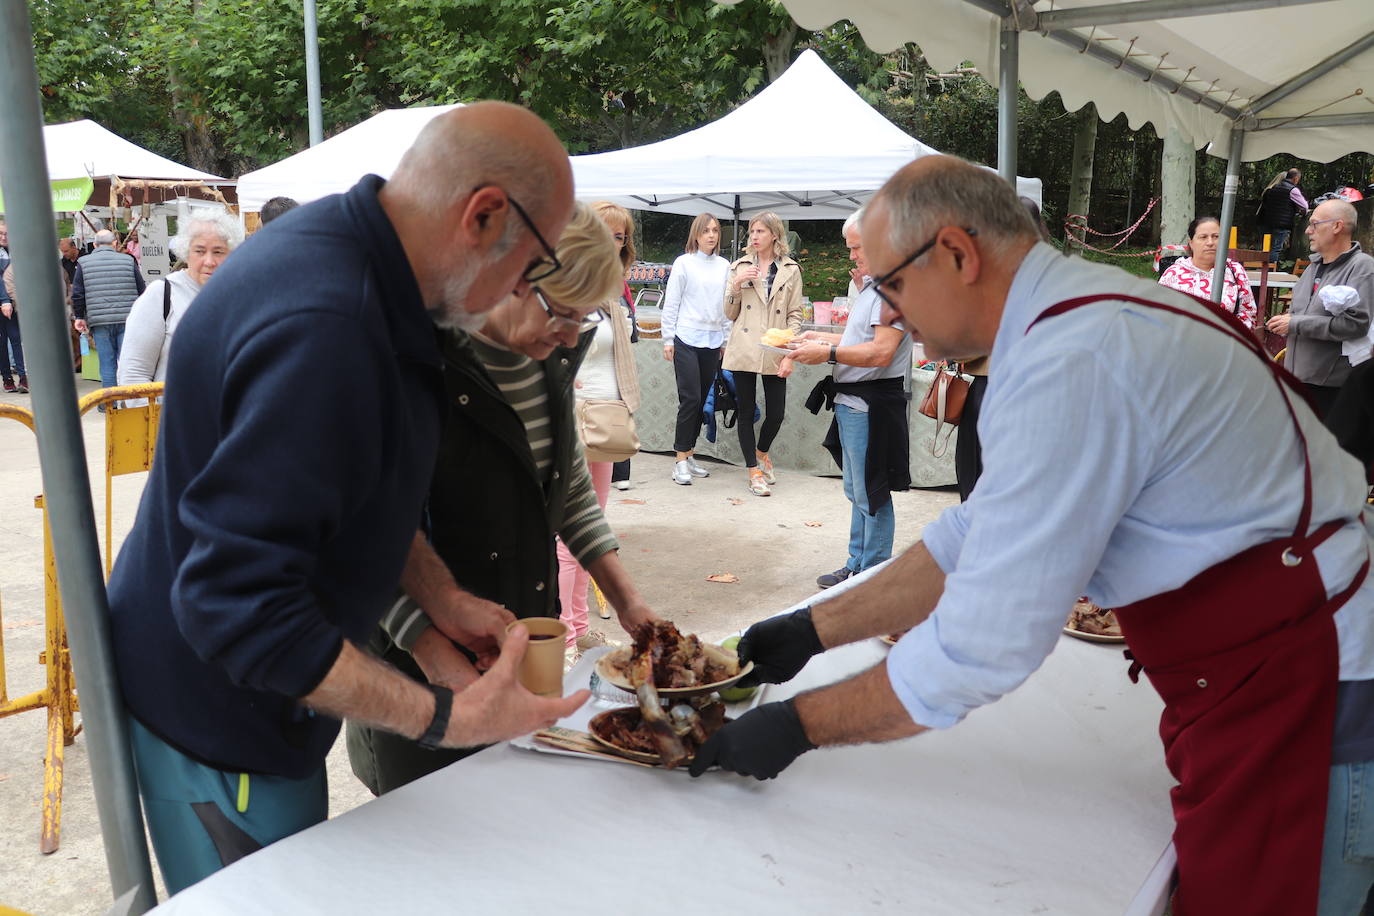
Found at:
[1127, 452]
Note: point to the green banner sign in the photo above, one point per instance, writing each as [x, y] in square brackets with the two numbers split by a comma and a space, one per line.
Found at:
[67, 195]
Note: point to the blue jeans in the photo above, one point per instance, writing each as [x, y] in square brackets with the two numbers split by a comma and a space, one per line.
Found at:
[108, 340]
[870, 533]
[1348, 847]
[202, 819]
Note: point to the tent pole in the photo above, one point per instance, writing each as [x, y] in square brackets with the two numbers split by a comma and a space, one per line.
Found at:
[1228, 211]
[62, 458]
[1007, 67]
[312, 75]
[736, 228]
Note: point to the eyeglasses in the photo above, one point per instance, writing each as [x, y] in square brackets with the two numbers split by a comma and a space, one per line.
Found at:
[559, 322]
[542, 267]
[887, 277]
[1318, 222]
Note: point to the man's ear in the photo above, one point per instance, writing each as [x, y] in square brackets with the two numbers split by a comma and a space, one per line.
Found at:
[968, 260]
[481, 217]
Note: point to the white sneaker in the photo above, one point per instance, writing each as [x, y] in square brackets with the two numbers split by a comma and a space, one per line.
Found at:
[696, 469]
[593, 639]
[621, 484]
[682, 472]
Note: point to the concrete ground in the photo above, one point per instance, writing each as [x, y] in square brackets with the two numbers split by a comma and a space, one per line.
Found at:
[672, 538]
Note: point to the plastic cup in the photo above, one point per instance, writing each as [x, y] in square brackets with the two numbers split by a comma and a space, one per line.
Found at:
[541, 671]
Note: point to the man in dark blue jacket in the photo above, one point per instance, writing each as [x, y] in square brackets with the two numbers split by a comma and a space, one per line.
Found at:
[298, 440]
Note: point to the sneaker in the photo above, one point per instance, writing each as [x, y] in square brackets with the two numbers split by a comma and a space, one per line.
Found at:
[696, 469]
[9, 385]
[591, 640]
[621, 484]
[834, 578]
[23, 384]
[758, 484]
[682, 473]
[766, 465]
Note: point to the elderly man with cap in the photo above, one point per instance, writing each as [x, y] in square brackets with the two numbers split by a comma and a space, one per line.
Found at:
[1226, 530]
[298, 440]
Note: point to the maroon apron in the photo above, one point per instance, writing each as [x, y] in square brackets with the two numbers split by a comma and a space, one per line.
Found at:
[1245, 658]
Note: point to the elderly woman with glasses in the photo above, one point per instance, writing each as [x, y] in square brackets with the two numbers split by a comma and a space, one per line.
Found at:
[510, 475]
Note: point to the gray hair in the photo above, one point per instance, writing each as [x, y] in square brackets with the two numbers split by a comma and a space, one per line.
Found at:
[852, 221]
[213, 221]
[954, 193]
[104, 237]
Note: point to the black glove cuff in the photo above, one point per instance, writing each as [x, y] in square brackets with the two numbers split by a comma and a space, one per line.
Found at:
[792, 723]
[438, 726]
[806, 629]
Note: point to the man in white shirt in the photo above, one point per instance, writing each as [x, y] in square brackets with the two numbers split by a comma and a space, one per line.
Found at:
[1136, 453]
[869, 438]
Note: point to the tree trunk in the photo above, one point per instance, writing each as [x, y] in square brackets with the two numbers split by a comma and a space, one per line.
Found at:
[195, 135]
[1081, 179]
[1178, 179]
[777, 50]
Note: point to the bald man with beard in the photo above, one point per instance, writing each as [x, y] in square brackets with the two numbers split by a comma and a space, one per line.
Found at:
[298, 441]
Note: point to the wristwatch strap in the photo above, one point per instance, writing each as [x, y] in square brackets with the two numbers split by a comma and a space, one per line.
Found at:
[832, 355]
[438, 726]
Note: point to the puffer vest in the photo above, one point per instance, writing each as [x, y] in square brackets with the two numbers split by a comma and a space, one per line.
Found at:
[1277, 210]
[108, 279]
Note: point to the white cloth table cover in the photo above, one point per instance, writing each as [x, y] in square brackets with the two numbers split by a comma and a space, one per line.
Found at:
[1053, 800]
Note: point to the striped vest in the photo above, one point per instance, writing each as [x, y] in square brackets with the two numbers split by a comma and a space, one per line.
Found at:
[108, 279]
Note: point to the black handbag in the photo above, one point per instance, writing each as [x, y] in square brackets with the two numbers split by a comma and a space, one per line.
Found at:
[723, 399]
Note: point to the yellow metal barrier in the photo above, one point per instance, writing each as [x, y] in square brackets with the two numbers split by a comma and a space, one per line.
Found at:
[130, 436]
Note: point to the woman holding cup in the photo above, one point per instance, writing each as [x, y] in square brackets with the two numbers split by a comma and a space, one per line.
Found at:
[763, 291]
[509, 476]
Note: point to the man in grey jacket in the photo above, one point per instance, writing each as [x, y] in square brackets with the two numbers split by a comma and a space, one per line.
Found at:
[106, 284]
[1315, 334]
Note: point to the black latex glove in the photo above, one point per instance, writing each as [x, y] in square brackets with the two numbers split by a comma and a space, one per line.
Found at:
[779, 647]
[761, 743]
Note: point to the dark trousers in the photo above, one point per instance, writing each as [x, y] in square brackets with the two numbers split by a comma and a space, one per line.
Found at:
[1323, 398]
[695, 368]
[774, 406]
[620, 470]
[1278, 241]
[968, 451]
[9, 334]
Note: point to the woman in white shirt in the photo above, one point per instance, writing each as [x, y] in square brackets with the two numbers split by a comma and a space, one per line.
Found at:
[204, 242]
[693, 333]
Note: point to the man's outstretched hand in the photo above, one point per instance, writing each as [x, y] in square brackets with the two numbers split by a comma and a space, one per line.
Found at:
[779, 647]
[761, 743]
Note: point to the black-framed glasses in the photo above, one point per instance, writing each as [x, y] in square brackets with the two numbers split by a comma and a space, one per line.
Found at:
[557, 322]
[549, 263]
[887, 277]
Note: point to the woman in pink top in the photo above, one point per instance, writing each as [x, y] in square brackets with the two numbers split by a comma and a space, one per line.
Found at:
[1193, 274]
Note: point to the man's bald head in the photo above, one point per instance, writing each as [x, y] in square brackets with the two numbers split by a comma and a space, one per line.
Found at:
[489, 143]
[945, 237]
[456, 202]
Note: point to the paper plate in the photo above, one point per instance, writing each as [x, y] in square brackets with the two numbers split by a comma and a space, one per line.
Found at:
[787, 350]
[611, 669]
[598, 723]
[1093, 637]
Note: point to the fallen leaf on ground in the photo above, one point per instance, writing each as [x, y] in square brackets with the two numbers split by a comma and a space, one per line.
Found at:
[812, 524]
[728, 578]
[734, 502]
[631, 502]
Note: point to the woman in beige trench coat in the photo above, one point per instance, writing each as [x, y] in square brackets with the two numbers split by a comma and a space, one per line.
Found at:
[764, 290]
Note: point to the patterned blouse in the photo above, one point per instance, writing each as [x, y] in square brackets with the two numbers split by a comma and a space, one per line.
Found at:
[1185, 276]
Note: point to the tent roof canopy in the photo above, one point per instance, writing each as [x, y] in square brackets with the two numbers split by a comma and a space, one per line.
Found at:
[1297, 75]
[807, 147]
[373, 147]
[78, 149]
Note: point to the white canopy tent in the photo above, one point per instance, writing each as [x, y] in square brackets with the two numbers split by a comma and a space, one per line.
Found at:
[1251, 77]
[78, 149]
[807, 147]
[373, 147]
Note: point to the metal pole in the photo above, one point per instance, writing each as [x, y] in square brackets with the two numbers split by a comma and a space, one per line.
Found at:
[1228, 211]
[312, 75]
[61, 454]
[1007, 66]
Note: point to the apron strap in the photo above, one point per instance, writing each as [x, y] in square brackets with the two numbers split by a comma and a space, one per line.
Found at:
[1232, 326]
